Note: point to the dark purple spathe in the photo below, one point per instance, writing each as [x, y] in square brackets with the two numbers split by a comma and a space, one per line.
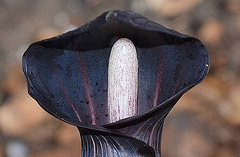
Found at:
[67, 75]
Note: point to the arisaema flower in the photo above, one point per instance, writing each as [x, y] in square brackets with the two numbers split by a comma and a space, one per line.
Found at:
[68, 76]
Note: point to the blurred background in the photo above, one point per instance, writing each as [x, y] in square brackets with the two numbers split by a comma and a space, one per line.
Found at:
[204, 123]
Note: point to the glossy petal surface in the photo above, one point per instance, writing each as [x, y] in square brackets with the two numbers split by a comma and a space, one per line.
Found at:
[67, 74]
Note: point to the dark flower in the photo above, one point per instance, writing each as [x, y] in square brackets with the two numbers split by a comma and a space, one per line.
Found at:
[67, 75]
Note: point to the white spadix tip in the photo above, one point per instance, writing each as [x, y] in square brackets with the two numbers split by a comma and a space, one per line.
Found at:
[122, 80]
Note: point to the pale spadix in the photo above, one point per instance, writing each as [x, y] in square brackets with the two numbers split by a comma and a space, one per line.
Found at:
[122, 80]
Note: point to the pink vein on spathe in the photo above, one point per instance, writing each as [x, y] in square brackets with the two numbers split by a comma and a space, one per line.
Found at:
[87, 89]
[65, 93]
[71, 103]
[159, 82]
